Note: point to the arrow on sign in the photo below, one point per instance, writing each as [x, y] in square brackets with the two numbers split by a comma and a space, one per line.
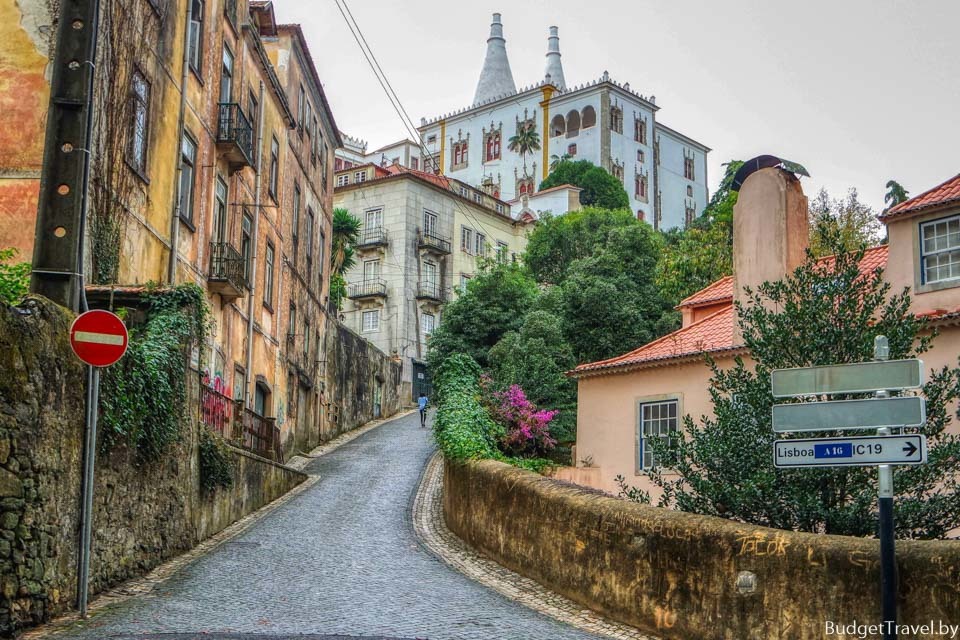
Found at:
[910, 449]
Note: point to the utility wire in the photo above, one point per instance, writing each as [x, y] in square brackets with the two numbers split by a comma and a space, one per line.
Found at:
[394, 98]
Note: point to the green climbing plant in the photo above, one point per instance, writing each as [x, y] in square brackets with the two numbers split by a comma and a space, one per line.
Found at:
[143, 397]
[215, 468]
[14, 277]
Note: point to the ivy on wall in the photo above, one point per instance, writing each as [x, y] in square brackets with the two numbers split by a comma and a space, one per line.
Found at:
[215, 468]
[143, 397]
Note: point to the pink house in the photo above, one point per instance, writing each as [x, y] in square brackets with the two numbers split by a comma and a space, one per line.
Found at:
[643, 394]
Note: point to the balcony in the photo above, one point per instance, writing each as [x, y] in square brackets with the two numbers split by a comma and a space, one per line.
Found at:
[431, 291]
[433, 242]
[260, 435]
[371, 238]
[228, 271]
[217, 410]
[367, 289]
[235, 136]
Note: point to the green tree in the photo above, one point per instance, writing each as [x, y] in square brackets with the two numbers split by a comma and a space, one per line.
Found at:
[555, 160]
[14, 277]
[610, 301]
[524, 141]
[895, 194]
[821, 314]
[850, 221]
[600, 188]
[695, 257]
[557, 241]
[536, 358]
[493, 304]
[346, 233]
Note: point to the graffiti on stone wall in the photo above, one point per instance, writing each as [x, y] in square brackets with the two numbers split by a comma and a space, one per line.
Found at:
[761, 543]
[216, 408]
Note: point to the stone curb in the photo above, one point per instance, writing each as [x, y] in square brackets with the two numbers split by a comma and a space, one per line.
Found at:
[144, 585]
[433, 534]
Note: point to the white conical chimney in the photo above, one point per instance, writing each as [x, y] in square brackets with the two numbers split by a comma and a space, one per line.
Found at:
[495, 78]
[554, 70]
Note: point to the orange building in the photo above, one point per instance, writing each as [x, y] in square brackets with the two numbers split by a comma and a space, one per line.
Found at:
[644, 394]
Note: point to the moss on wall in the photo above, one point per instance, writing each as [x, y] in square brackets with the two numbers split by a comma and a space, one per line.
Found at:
[676, 574]
[145, 512]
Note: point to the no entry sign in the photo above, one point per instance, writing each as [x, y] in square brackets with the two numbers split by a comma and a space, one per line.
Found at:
[98, 337]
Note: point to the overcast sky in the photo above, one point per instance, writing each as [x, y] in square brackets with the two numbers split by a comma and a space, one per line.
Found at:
[858, 91]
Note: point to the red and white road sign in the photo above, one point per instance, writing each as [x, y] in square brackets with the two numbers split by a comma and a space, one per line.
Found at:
[98, 337]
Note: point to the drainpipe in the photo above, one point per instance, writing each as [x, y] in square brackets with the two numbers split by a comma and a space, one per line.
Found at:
[175, 223]
[253, 243]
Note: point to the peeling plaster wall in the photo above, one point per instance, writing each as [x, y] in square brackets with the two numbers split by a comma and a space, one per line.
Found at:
[26, 34]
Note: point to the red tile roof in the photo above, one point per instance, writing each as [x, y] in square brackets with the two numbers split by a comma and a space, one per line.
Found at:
[715, 332]
[722, 289]
[945, 193]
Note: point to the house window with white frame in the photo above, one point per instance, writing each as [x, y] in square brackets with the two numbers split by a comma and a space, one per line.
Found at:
[502, 251]
[466, 239]
[940, 250]
[360, 176]
[656, 421]
[481, 246]
[428, 323]
[370, 321]
[343, 180]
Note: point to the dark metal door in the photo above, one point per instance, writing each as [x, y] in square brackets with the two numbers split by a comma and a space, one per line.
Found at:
[421, 381]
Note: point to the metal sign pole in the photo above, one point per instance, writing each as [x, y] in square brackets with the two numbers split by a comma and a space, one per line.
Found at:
[89, 458]
[888, 557]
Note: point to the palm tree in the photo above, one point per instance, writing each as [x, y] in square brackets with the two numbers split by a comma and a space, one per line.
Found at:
[524, 141]
[895, 194]
[555, 160]
[346, 232]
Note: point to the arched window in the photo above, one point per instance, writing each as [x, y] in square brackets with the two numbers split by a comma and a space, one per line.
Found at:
[557, 126]
[589, 117]
[573, 123]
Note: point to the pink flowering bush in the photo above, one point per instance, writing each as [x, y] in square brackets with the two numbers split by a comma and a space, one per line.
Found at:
[526, 428]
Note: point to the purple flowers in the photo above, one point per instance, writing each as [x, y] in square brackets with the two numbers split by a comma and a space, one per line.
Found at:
[527, 429]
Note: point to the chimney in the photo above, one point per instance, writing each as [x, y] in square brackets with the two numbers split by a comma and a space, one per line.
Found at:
[495, 78]
[770, 230]
[554, 72]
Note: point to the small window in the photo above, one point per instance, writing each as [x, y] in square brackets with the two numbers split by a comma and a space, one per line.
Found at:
[658, 420]
[292, 322]
[140, 98]
[309, 233]
[261, 400]
[220, 210]
[481, 248]
[226, 76]
[295, 221]
[464, 279]
[195, 54]
[689, 191]
[246, 244]
[415, 163]
[571, 149]
[432, 139]
[502, 252]
[371, 321]
[306, 339]
[477, 198]
[343, 180]
[688, 171]
[428, 323]
[268, 276]
[360, 176]
[430, 222]
[499, 208]
[274, 167]
[301, 108]
[239, 383]
[640, 155]
[466, 239]
[188, 162]
[940, 250]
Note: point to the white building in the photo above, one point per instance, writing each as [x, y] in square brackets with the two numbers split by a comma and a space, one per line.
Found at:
[423, 237]
[405, 153]
[613, 126]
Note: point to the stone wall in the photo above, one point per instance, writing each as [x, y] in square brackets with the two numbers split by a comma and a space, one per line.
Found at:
[145, 513]
[357, 373]
[676, 575]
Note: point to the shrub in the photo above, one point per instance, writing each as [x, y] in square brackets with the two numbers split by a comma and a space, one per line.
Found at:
[215, 468]
[464, 429]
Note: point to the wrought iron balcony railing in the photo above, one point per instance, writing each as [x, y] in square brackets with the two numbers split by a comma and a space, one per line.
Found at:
[374, 288]
[235, 135]
[261, 435]
[228, 271]
[433, 242]
[431, 291]
[372, 237]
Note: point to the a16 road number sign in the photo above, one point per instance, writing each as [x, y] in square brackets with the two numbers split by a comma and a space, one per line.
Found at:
[850, 452]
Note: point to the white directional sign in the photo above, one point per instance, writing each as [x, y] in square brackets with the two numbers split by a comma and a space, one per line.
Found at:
[850, 452]
[873, 413]
[861, 377]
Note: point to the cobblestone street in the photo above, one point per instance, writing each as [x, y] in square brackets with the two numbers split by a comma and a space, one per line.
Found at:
[340, 559]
